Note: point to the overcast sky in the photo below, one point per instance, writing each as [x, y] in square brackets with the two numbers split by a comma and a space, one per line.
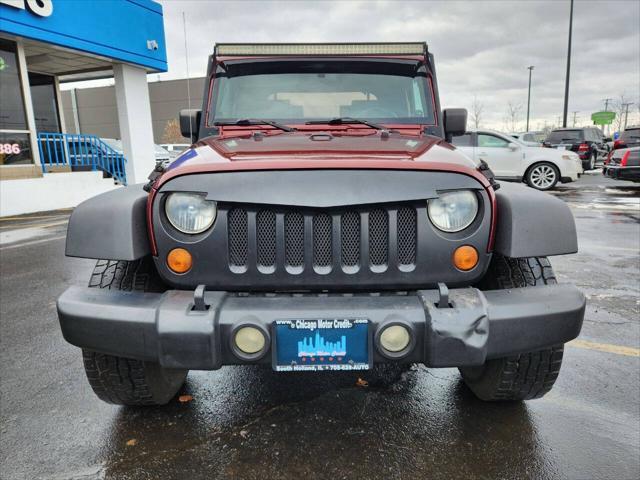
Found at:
[481, 48]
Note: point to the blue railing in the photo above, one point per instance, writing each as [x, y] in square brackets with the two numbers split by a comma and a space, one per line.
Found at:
[80, 152]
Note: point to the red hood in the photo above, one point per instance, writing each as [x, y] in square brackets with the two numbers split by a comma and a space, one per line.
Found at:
[313, 150]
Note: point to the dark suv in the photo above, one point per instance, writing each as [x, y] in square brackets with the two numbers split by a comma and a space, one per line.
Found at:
[588, 142]
[629, 138]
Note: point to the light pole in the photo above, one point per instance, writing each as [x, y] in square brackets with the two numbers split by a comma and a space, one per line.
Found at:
[530, 68]
[626, 112]
[566, 82]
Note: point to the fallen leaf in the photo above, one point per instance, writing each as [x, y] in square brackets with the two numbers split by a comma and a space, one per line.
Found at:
[185, 398]
[132, 442]
[361, 383]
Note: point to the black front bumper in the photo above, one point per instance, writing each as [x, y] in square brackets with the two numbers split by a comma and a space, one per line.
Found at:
[166, 328]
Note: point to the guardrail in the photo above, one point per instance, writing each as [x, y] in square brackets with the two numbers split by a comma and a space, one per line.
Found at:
[80, 152]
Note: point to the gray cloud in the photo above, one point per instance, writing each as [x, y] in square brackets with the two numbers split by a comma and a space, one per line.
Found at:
[481, 48]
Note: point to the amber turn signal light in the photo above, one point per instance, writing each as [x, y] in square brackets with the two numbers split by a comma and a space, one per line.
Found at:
[465, 257]
[179, 260]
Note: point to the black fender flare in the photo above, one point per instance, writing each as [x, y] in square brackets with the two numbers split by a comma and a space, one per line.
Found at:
[112, 226]
[531, 223]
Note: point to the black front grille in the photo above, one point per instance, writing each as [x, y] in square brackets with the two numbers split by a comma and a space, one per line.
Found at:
[324, 241]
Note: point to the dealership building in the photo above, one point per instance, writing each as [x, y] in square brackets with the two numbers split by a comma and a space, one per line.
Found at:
[44, 165]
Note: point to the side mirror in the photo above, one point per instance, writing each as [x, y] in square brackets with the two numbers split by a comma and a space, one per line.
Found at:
[513, 147]
[455, 122]
[190, 123]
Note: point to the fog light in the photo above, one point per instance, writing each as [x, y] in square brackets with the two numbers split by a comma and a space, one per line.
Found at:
[465, 257]
[395, 338]
[249, 340]
[179, 260]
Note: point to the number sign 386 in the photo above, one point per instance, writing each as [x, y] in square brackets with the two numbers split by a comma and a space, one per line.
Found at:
[9, 148]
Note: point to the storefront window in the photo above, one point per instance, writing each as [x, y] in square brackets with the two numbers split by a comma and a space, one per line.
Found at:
[45, 107]
[15, 149]
[12, 114]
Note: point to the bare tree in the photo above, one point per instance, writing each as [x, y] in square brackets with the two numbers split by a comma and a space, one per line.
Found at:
[619, 106]
[172, 132]
[512, 116]
[477, 109]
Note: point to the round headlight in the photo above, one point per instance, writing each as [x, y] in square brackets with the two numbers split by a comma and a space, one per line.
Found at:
[453, 211]
[190, 212]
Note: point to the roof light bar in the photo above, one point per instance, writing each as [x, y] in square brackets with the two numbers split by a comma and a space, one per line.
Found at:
[244, 49]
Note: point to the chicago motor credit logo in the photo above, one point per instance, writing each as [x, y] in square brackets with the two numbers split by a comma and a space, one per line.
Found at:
[42, 8]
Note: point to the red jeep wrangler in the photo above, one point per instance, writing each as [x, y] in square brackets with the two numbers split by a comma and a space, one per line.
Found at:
[321, 221]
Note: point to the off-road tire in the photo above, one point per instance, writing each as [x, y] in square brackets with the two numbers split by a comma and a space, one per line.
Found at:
[125, 381]
[528, 375]
[138, 276]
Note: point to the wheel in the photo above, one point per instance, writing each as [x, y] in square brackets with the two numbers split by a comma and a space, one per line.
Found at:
[125, 381]
[592, 161]
[542, 176]
[518, 377]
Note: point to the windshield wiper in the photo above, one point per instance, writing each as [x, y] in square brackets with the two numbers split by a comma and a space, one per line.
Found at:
[346, 121]
[247, 122]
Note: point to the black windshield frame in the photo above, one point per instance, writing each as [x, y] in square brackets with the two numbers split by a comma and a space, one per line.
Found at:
[378, 66]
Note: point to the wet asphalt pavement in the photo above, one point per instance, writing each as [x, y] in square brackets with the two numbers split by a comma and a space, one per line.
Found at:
[251, 423]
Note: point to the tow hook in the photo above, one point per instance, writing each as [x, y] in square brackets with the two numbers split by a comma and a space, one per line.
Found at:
[199, 305]
[443, 296]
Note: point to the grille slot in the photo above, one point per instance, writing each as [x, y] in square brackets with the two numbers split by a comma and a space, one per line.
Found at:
[294, 242]
[407, 229]
[350, 240]
[378, 239]
[322, 240]
[266, 240]
[238, 235]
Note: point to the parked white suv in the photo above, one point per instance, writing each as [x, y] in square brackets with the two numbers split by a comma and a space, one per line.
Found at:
[510, 159]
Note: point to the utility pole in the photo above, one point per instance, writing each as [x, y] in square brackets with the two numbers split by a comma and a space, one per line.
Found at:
[186, 59]
[574, 118]
[606, 109]
[530, 68]
[566, 81]
[626, 112]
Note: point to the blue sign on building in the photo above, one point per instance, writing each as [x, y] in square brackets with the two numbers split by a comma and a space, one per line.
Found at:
[130, 31]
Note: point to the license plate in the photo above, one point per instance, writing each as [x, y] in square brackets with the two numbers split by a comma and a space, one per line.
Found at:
[562, 147]
[321, 344]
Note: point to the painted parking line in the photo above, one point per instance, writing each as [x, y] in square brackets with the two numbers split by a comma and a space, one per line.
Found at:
[34, 217]
[34, 225]
[605, 347]
[34, 242]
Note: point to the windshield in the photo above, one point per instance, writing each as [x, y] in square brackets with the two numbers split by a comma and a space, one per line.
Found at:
[565, 136]
[298, 92]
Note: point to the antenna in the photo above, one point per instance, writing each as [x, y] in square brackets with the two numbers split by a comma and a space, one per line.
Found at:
[186, 58]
